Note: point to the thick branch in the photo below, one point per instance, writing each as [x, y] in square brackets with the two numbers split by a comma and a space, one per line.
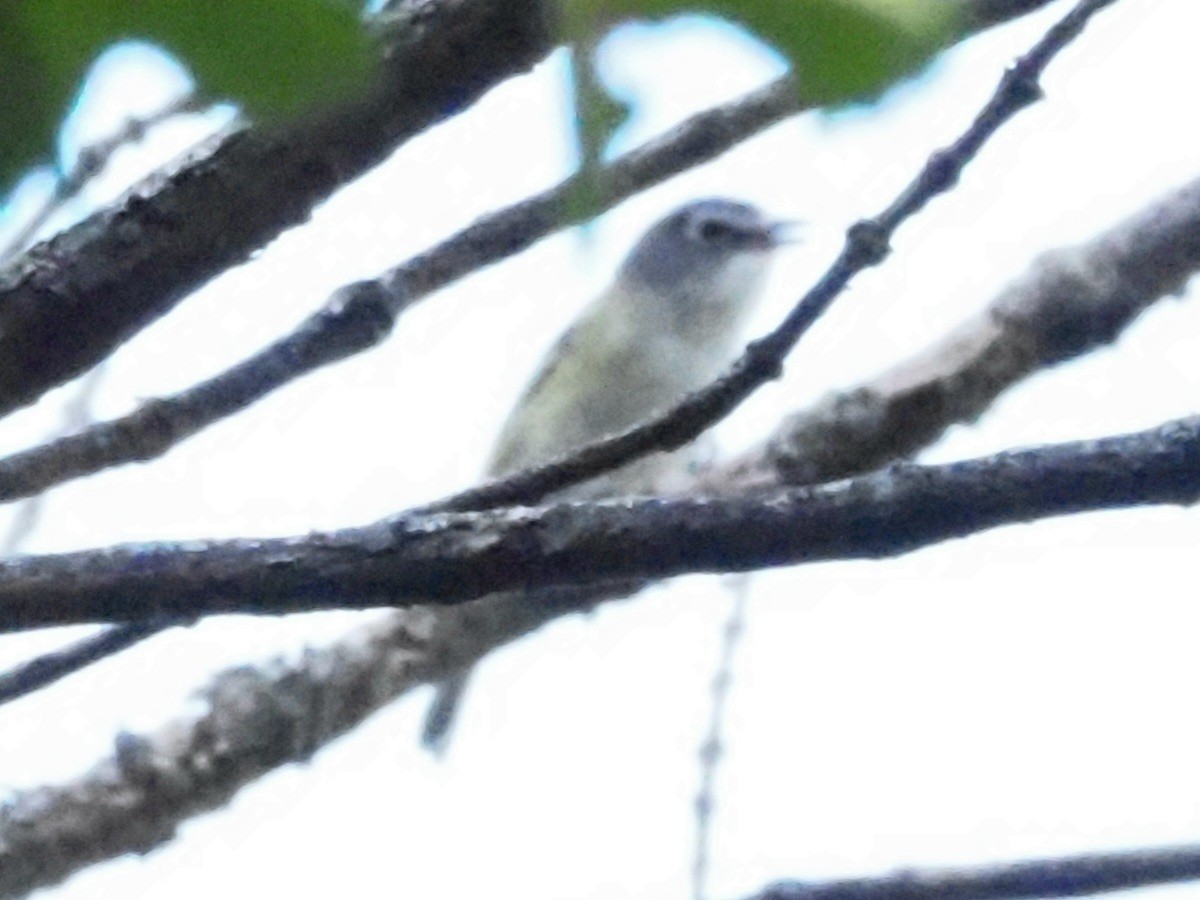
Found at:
[69, 302]
[450, 558]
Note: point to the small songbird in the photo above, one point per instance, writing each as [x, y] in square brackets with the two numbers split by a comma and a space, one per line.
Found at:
[670, 322]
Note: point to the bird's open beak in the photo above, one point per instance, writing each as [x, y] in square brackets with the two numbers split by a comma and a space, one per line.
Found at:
[786, 231]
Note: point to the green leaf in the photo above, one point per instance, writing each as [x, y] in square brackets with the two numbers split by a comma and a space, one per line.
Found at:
[273, 57]
[597, 116]
[841, 50]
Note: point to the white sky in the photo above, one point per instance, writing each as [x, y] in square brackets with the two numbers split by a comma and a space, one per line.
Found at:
[1024, 692]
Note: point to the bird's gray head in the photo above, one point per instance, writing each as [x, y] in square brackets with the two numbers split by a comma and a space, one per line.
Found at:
[706, 246]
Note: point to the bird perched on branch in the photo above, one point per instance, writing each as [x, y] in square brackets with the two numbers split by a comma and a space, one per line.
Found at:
[670, 322]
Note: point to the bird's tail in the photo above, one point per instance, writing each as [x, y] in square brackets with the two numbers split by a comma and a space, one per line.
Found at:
[439, 719]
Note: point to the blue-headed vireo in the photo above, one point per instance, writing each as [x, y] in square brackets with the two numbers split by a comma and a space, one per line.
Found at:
[670, 322]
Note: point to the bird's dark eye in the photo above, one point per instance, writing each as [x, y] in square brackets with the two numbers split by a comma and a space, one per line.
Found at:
[713, 230]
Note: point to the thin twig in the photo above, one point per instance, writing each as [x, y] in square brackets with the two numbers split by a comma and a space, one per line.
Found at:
[90, 162]
[76, 415]
[712, 748]
[49, 668]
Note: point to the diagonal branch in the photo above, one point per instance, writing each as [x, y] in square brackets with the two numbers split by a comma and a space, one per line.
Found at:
[70, 301]
[1071, 301]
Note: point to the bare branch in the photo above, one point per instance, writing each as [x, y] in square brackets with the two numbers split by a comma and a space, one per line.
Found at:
[69, 302]
[867, 245]
[1070, 876]
[50, 667]
[447, 558]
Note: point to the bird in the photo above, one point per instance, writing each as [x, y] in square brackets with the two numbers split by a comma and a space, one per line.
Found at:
[670, 322]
